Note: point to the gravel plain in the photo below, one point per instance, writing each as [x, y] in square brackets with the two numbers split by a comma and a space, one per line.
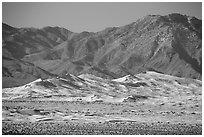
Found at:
[96, 118]
[109, 128]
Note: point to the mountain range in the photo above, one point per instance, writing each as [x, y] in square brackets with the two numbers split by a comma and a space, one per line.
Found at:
[170, 44]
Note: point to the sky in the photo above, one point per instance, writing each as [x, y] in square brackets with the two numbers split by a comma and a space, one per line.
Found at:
[93, 17]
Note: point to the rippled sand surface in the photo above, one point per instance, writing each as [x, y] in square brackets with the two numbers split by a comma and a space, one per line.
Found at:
[148, 103]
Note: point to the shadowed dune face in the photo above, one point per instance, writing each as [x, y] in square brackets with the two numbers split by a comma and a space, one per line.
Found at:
[169, 44]
[146, 86]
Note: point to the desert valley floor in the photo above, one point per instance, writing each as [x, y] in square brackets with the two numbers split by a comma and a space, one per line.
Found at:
[42, 117]
[147, 103]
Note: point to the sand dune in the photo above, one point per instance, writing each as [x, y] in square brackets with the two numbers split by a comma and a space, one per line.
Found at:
[150, 86]
[150, 98]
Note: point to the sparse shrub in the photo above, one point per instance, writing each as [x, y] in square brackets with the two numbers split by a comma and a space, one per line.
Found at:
[135, 98]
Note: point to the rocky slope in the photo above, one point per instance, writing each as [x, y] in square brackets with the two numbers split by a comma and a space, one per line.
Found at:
[16, 72]
[18, 42]
[169, 44]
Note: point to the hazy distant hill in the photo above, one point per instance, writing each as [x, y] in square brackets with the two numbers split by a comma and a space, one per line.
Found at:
[169, 44]
[18, 42]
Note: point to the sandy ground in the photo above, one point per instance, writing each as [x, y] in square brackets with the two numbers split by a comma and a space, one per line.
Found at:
[151, 98]
[97, 117]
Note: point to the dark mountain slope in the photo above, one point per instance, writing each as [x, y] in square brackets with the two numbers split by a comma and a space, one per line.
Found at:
[169, 44]
[18, 42]
[16, 72]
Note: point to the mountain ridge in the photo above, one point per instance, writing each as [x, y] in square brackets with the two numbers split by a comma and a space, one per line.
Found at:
[170, 44]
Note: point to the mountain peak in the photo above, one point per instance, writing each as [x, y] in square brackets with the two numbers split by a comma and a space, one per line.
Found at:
[170, 44]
